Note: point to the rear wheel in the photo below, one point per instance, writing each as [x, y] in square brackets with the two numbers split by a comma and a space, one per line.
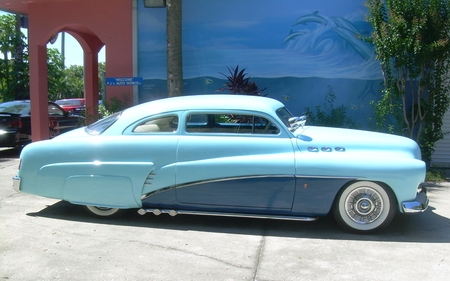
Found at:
[103, 211]
[364, 207]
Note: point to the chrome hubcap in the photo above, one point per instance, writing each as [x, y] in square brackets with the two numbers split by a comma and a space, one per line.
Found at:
[364, 205]
[102, 208]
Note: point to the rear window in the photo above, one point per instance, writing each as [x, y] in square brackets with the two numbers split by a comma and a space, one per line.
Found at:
[100, 126]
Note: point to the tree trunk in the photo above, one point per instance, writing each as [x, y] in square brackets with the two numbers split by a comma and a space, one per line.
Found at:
[174, 49]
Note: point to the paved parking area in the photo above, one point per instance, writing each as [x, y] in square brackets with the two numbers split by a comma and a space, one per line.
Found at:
[45, 239]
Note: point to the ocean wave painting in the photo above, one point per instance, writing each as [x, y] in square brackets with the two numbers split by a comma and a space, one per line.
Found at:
[297, 49]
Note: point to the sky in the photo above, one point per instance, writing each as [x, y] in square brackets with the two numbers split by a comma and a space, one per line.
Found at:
[73, 50]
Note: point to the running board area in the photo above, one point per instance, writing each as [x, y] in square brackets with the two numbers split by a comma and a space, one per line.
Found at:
[173, 213]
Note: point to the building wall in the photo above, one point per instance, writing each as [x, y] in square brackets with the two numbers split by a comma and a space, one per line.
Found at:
[109, 21]
[441, 155]
[299, 50]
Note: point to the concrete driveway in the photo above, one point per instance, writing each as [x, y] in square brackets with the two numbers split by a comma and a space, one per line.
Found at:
[45, 239]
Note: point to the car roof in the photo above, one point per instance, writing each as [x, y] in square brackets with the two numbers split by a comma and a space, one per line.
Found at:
[208, 102]
[196, 102]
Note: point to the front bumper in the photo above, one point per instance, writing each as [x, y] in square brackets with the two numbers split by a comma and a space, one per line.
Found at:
[419, 205]
[16, 183]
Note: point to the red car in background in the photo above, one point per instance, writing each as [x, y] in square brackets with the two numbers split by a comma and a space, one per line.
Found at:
[71, 104]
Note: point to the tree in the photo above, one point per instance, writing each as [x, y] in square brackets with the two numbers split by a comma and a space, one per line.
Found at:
[239, 84]
[55, 73]
[14, 81]
[174, 48]
[412, 43]
[73, 81]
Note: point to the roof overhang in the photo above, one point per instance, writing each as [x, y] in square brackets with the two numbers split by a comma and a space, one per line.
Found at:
[21, 7]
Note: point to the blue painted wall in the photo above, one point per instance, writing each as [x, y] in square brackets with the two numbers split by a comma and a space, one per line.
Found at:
[297, 49]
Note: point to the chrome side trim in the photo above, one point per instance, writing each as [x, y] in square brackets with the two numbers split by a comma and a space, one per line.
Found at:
[329, 177]
[313, 149]
[233, 178]
[16, 183]
[173, 213]
[420, 204]
[149, 179]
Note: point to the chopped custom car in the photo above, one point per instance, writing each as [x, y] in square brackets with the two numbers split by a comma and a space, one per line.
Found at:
[15, 122]
[228, 155]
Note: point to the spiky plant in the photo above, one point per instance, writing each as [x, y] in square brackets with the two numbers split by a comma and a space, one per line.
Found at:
[239, 84]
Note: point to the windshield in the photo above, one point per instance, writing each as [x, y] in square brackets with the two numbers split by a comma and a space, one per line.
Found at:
[100, 126]
[69, 102]
[284, 115]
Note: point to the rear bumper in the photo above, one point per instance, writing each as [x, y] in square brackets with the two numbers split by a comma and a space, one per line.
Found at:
[419, 205]
[16, 183]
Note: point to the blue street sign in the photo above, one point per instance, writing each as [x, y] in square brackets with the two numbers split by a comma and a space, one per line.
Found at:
[123, 81]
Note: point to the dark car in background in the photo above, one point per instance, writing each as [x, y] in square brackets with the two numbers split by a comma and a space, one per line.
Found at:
[15, 122]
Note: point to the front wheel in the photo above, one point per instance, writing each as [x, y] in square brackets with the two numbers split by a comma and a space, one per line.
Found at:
[364, 207]
[103, 211]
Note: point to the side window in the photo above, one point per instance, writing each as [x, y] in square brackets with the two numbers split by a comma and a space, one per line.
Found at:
[166, 124]
[229, 123]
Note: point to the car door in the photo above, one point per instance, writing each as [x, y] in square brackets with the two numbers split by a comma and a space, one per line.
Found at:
[234, 160]
[60, 121]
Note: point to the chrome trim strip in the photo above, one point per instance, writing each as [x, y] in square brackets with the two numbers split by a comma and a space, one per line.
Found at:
[233, 178]
[241, 215]
[420, 204]
[330, 177]
[16, 183]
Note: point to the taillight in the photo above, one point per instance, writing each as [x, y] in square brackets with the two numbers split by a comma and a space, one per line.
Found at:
[15, 123]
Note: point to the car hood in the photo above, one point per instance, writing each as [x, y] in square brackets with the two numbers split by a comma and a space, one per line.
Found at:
[326, 140]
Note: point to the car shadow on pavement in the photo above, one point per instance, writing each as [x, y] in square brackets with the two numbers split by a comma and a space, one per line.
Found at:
[427, 227]
[9, 153]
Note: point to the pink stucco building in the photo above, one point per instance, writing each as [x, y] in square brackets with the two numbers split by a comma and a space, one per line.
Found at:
[94, 24]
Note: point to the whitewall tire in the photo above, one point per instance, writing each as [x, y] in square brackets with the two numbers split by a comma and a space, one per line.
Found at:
[103, 211]
[364, 207]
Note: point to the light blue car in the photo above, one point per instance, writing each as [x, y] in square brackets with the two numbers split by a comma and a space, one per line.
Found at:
[228, 155]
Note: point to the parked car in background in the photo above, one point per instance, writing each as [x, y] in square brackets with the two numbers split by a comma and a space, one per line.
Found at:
[71, 104]
[82, 109]
[228, 155]
[15, 122]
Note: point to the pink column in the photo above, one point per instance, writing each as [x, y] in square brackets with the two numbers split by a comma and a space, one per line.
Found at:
[91, 85]
[38, 91]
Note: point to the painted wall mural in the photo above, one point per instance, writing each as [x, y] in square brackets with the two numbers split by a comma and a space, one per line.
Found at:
[297, 49]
